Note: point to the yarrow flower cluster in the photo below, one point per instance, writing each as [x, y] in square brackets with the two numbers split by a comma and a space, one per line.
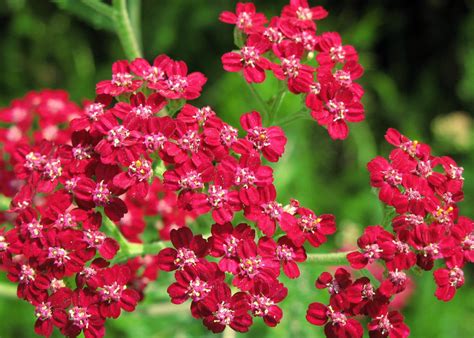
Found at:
[84, 182]
[288, 47]
[425, 228]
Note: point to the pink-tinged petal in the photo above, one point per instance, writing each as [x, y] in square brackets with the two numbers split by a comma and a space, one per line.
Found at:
[129, 299]
[109, 248]
[116, 209]
[291, 269]
[123, 180]
[166, 259]
[44, 327]
[318, 13]
[178, 293]
[251, 120]
[266, 225]
[232, 62]
[181, 237]
[338, 130]
[254, 74]
[228, 17]
[357, 260]
[222, 215]
[316, 314]
[228, 265]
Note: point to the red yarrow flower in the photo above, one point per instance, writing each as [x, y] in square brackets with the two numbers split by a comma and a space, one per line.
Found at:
[286, 253]
[189, 250]
[299, 12]
[153, 75]
[255, 262]
[337, 322]
[449, 279]
[263, 298]
[179, 84]
[220, 309]
[267, 212]
[388, 325]
[122, 81]
[84, 316]
[224, 241]
[249, 59]
[113, 292]
[51, 312]
[375, 243]
[270, 141]
[245, 18]
[336, 106]
[195, 283]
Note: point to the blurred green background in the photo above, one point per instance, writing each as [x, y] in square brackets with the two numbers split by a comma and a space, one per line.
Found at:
[419, 62]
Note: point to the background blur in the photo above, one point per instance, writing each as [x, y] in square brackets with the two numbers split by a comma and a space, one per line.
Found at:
[419, 62]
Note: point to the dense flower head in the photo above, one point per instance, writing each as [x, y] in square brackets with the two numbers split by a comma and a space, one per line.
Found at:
[139, 154]
[286, 47]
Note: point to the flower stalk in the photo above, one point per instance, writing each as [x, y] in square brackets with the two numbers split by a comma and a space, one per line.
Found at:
[125, 32]
[335, 258]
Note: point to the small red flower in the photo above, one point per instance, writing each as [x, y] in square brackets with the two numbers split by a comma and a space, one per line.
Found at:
[263, 298]
[122, 81]
[375, 243]
[224, 241]
[195, 283]
[113, 292]
[337, 322]
[255, 262]
[304, 16]
[140, 109]
[267, 212]
[51, 312]
[270, 141]
[136, 178]
[448, 280]
[311, 227]
[189, 250]
[336, 106]
[220, 309]
[179, 84]
[298, 75]
[388, 325]
[84, 316]
[249, 59]
[153, 75]
[286, 253]
[120, 144]
[331, 50]
[245, 18]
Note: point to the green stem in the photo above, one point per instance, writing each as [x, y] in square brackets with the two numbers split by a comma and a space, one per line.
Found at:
[132, 250]
[114, 231]
[366, 273]
[277, 101]
[127, 249]
[8, 291]
[301, 115]
[260, 100]
[135, 10]
[335, 258]
[125, 31]
[388, 214]
[4, 203]
[100, 8]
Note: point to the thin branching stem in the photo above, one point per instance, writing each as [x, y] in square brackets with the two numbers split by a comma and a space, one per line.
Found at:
[125, 30]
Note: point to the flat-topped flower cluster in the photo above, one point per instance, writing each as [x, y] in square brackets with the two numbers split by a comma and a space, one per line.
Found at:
[85, 181]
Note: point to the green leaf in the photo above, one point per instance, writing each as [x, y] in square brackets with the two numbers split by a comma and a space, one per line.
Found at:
[94, 12]
[239, 38]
